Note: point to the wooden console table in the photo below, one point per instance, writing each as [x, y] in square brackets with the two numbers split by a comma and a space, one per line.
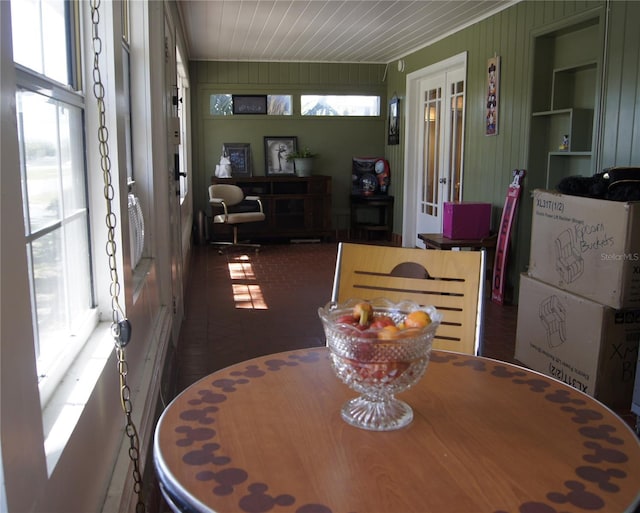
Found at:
[295, 207]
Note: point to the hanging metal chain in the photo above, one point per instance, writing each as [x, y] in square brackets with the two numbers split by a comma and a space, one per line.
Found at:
[120, 325]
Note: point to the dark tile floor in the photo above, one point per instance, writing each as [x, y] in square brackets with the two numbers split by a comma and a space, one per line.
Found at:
[244, 304]
[240, 305]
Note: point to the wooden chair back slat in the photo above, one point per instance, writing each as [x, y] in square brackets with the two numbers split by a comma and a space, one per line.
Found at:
[452, 281]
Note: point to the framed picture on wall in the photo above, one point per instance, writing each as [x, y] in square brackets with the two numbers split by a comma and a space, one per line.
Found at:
[240, 156]
[249, 103]
[394, 121]
[276, 151]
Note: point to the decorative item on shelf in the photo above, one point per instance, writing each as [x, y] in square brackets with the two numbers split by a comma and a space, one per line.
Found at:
[565, 143]
[393, 136]
[223, 170]
[239, 155]
[383, 174]
[368, 184]
[302, 161]
[370, 176]
[276, 155]
[493, 91]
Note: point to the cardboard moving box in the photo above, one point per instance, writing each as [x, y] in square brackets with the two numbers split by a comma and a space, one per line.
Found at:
[587, 246]
[589, 346]
[466, 220]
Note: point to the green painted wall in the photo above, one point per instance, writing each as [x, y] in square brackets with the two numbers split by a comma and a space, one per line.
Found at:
[336, 140]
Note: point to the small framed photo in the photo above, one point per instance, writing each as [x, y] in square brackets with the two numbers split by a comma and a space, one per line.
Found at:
[276, 151]
[249, 103]
[240, 156]
[394, 121]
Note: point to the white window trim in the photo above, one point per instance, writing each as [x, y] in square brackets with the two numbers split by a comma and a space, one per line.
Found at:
[72, 391]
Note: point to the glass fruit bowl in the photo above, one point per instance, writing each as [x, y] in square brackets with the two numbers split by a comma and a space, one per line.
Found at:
[377, 361]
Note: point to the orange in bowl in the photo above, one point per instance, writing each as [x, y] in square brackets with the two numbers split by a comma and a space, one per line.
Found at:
[417, 319]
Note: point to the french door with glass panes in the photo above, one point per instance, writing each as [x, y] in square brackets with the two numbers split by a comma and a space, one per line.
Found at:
[438, 158]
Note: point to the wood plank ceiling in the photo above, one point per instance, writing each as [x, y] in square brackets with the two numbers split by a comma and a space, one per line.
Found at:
[364, 31]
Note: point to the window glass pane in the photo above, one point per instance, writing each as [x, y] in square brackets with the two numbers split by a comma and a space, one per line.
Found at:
[53, 165]
[48, 283]
[71, 160]
[455, 150]
[57, 224]
[220, 105]
[40, 40]
[61, 281]
[431, 155]
[339, 105]
[279, 105]
[38, 130]
[76, 271]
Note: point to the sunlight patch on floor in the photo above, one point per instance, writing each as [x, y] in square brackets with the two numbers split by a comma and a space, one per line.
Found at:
[245, 295]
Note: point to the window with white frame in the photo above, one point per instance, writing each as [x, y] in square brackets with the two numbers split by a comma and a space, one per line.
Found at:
[50, 111]
[221, 104]
[339, 105]
[41, 39]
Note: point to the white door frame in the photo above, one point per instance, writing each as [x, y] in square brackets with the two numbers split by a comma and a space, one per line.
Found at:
[412, 139]
[175, 223]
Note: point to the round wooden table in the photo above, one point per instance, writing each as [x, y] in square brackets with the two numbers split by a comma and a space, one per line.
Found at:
[266, 436]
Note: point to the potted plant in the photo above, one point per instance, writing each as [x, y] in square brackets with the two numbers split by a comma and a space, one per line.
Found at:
[302, 161]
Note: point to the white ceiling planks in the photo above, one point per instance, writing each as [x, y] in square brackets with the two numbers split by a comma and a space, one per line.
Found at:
[366, 31]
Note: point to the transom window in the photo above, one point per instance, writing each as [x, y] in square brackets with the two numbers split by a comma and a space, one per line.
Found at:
[221, 104]
[277, 104]
[339, 105]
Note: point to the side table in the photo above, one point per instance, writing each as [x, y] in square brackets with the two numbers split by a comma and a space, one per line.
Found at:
[439, 241]
[371, 214]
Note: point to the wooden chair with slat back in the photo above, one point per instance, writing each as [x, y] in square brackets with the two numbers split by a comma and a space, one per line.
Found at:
[452, 281]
